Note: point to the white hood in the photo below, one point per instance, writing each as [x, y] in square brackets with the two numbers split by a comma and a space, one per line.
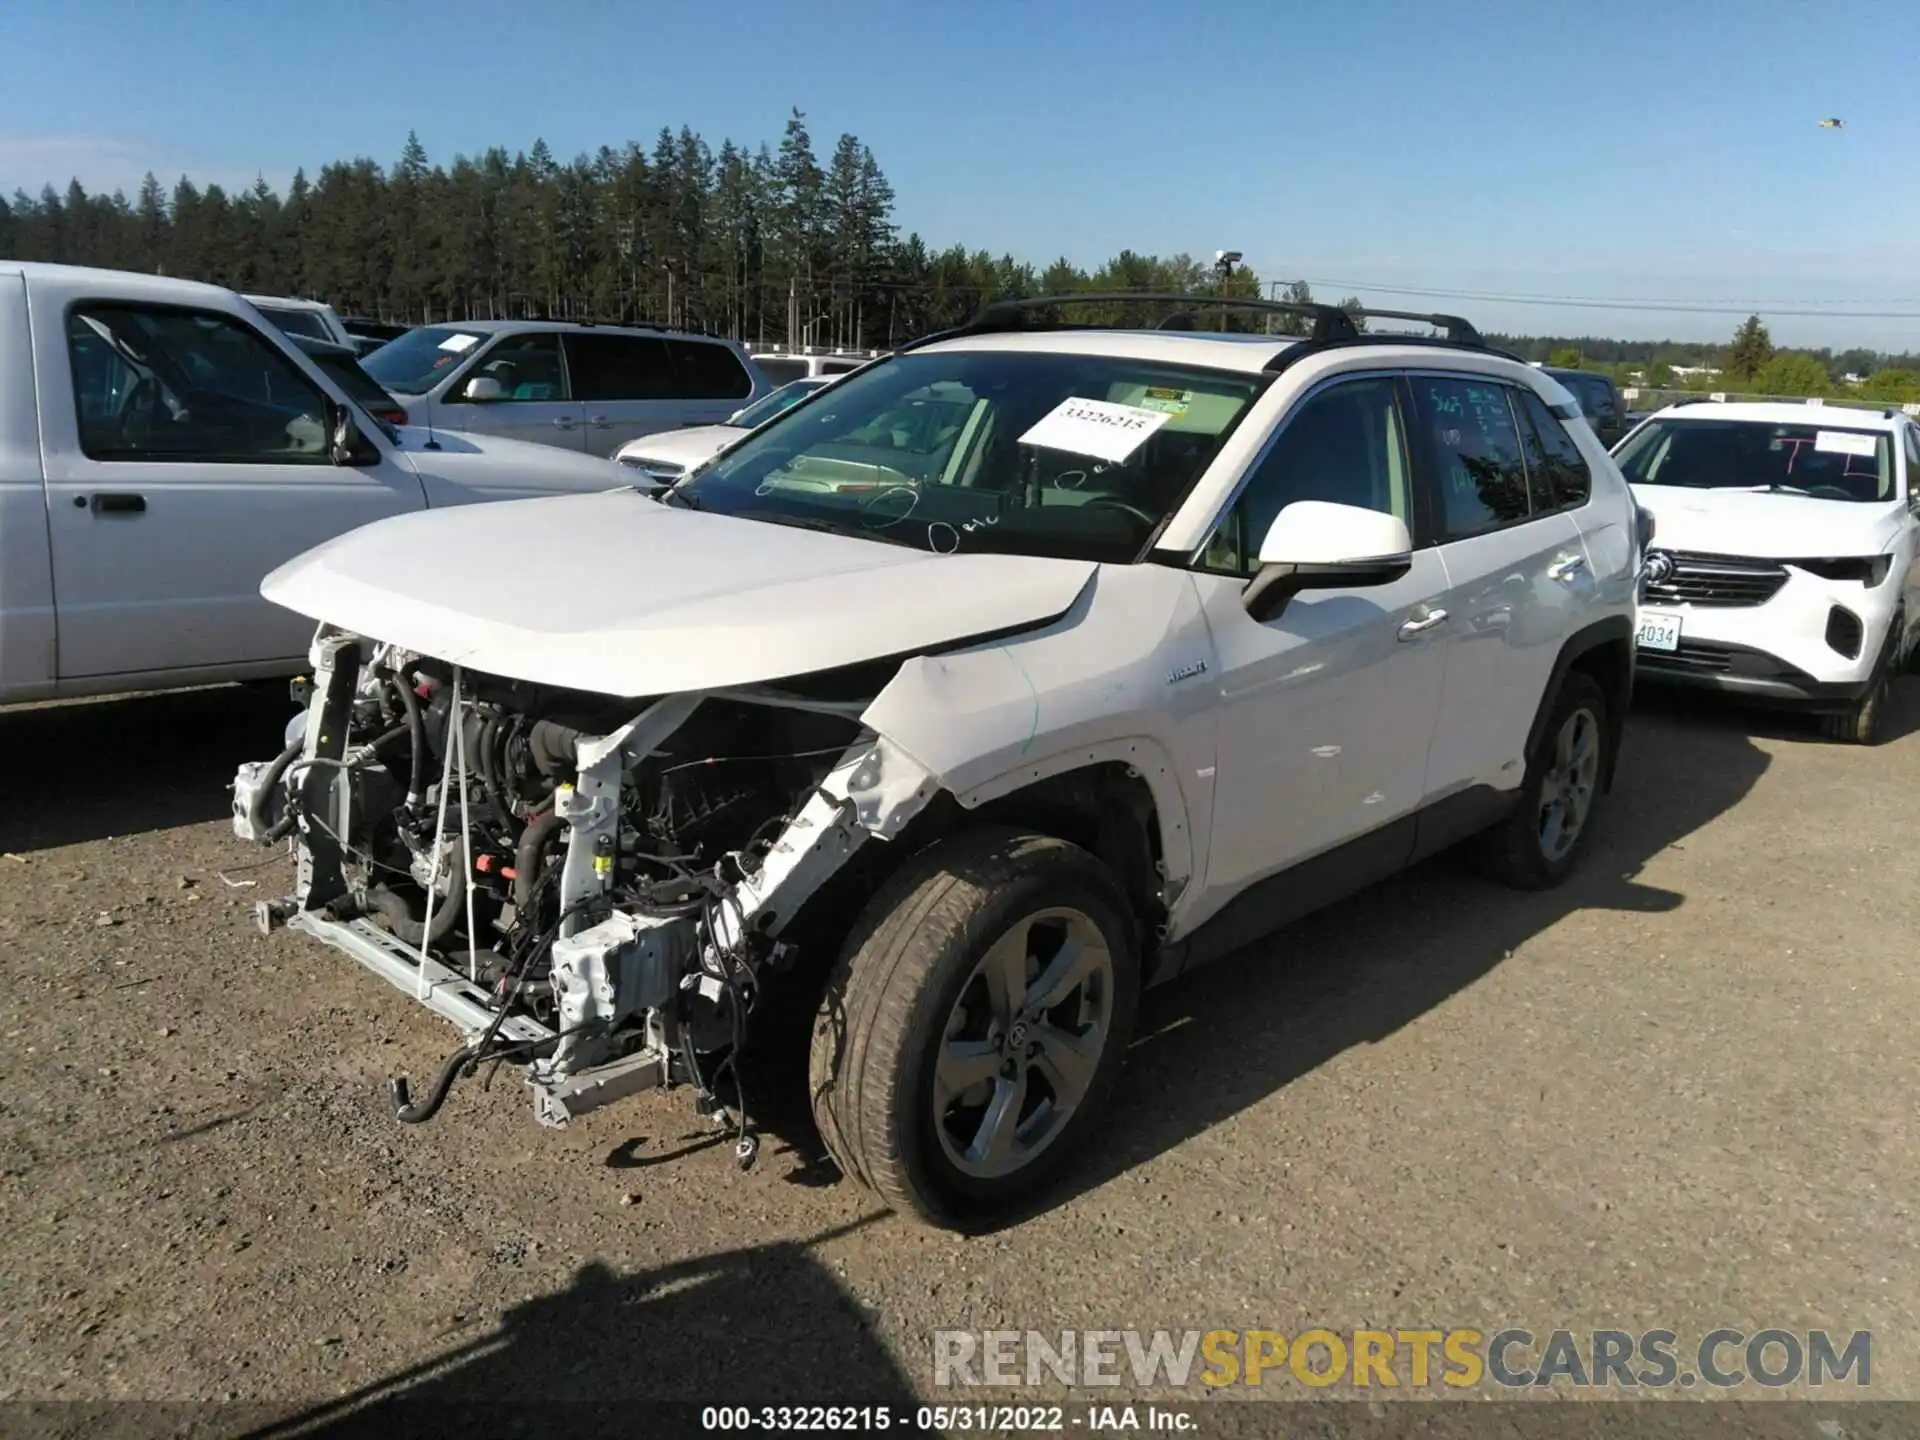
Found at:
[684, 449]
[459, 466]
[1765, 525]
[621, 595]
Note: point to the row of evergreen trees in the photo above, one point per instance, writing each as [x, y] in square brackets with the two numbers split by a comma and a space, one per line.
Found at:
[765, 245]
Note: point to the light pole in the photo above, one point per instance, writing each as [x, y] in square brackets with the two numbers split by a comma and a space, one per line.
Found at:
[1223, 263]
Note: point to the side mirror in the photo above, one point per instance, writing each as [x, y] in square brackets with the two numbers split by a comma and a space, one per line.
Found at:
[1317, 545]
[483, 388]
[349, 445]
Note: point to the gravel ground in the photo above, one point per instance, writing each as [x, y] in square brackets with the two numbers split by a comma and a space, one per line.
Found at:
[1677, 1092]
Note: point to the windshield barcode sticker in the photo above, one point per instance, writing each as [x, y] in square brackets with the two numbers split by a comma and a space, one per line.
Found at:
[1095, 427]
[459, 344]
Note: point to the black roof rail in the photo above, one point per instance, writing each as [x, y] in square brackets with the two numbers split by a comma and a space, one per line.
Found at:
[1331, 323]
[1306, 350]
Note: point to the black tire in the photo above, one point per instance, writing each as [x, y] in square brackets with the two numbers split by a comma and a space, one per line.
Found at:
[1515, 852]
[1862, 723]
[908, 964]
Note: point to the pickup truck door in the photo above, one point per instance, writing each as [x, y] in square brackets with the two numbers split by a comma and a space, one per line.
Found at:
[186, 455]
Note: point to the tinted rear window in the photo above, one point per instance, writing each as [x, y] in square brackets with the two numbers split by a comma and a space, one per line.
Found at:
[620, 367]
[779, 372]
[708, 372]
[299, 322]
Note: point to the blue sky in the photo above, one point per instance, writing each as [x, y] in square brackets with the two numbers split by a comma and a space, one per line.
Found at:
[1621, 151]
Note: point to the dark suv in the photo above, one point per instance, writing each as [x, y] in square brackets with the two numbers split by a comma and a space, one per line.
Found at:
[1599, 400]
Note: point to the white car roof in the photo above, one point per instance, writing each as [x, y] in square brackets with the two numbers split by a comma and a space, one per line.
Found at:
[1784, 412]
[1249, 353]
[288, 302]
[160, 287]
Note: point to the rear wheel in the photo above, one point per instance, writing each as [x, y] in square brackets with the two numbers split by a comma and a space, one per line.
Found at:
[1540, 843]
[973, 1030]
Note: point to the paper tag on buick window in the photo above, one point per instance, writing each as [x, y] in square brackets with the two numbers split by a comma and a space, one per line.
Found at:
[1846, 442]
[1095, 427]
[1659, 630]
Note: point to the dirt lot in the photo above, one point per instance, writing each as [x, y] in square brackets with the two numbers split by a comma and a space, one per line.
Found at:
[1679, 1092]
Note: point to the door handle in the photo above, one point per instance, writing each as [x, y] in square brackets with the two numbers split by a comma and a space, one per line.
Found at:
[1421, 621]
[564, 422]
[1566, 567]
[601, 422]
[121, 504]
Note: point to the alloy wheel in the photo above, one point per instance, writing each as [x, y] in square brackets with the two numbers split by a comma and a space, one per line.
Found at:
[1022, 1043]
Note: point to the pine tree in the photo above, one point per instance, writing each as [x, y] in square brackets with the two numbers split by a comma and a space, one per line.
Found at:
[1751, 349]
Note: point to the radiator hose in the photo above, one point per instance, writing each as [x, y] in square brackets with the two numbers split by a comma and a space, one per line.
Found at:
[407, 1113]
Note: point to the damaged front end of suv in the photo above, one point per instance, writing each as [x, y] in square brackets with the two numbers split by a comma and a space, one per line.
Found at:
[594, 888]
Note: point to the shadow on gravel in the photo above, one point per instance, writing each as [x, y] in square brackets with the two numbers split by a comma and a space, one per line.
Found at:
[764, 1325]
[88, 770]
[1699, 707]
[1249, 1024]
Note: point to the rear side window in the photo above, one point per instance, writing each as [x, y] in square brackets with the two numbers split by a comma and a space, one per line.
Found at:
[708, 372]
[153, 383]
[1595, 396]
[1471, 436]
[620, 367]
[1557, 471]
[781, 372]
[299, 322]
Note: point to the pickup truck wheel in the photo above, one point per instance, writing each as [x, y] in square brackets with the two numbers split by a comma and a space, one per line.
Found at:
[1540, 843]
[974, 1026]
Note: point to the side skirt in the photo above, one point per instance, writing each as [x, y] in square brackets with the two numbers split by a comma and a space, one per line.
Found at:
[1279, 900]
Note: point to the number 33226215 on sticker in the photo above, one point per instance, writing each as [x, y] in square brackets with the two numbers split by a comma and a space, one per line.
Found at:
[1095, 427]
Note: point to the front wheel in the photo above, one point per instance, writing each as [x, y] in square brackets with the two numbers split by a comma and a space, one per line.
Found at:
[1861, 722]
[973, 1030]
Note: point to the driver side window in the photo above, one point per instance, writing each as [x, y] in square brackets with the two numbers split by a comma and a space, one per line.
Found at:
[158, 383]
[1347, 444]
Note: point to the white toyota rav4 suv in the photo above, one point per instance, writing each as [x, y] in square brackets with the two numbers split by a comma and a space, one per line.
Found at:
[1029, 666]
[1785, 569]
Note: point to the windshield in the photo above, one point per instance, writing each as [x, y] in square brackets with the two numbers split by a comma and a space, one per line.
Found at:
[1801, 459]
[785, 398]
[421, 359]
[1078, 456]
[298, 322]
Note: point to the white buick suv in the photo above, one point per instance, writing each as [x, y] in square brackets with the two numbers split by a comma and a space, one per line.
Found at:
[1029, 666]
[1785, 569]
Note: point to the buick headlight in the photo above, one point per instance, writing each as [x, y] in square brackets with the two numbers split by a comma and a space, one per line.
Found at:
[1868, 570]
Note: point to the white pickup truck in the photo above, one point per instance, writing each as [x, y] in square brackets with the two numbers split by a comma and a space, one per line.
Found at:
[162, 447]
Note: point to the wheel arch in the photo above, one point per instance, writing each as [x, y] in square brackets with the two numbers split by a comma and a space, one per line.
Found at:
[1604, 651]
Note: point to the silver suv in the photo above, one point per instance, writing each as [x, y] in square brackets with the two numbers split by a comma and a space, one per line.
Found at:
[578, 386]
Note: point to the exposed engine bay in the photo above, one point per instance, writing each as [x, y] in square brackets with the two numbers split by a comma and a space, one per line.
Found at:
[591, 888]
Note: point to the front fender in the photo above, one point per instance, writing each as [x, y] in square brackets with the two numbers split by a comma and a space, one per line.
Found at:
[1095, 687]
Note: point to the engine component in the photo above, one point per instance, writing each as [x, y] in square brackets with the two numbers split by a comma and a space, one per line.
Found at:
[605, 889]
[622, 965]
